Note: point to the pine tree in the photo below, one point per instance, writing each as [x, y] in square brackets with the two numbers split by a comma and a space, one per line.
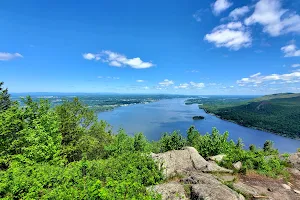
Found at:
[5, 101]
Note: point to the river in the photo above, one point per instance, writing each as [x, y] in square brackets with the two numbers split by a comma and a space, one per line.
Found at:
[168, 115]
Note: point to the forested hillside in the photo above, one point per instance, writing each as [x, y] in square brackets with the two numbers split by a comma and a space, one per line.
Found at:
[279, 113]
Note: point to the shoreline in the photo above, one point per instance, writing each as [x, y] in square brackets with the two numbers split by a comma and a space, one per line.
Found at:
[252, 127]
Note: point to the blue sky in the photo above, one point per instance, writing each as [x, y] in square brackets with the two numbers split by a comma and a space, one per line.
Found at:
[183, 46]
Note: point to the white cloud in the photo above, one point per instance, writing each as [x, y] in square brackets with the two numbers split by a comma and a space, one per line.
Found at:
[296, 65]
[274, 18]
[191, 85]
[115, 64]
[239, 12]
[118, 60]
[232, 35]
[192, 71]
[290, 50]
[166, 83]
[258, 78]
[140, 81]
[220, 6]
[197, 85]
[89, 56]
[183, 86]
[9, 56]
[197, 15]
[109, 77]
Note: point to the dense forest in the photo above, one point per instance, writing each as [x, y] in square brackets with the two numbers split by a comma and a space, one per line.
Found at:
[278, 113]
[64, 152]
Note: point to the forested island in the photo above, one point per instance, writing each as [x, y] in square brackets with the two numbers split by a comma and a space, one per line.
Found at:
[278, 113]
[198, 117]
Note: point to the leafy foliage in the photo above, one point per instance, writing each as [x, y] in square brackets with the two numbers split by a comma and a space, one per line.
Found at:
[65, 153]
[210, 144]
[5, 101]
[173, 141]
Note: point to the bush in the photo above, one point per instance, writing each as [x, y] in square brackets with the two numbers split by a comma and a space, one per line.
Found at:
[173, 141]
[265, 161]
[122, 177]
[213, 144]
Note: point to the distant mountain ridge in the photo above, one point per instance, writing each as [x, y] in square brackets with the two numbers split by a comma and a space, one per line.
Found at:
[278, 96]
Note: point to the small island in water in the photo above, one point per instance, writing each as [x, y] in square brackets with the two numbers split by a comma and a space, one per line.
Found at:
[198, 117]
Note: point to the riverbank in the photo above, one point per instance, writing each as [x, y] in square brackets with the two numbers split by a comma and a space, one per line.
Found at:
[154, 119]
[252, 127]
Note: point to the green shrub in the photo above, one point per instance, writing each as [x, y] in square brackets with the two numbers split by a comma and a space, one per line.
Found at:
[122, 177]
[213, 144]
[173, 141]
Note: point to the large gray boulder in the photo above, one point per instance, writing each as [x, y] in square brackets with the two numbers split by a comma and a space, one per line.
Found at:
[205, 186]
[170, 191]
[294, 160]
[186, 160]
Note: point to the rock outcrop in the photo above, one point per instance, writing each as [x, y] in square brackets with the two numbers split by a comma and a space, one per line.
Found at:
[205, 186]
[190, 176]
[294, 160]
[170, 191]
[186, 160]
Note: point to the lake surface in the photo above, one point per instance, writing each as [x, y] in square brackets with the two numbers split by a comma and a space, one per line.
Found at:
[153, 119]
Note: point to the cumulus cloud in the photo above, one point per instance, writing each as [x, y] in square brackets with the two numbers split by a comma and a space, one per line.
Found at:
[290, 50]
[232, 35]
[183, 86]
[191, 85]
[296, 65]
[166, 83]
[197, 85]
[118, 60]
[258, 78]
[140, 81]
[274, 18]
[9, 56]
[239, 12]
[89, 56]
[220, 6]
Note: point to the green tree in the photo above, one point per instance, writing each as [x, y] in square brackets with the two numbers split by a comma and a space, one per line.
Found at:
[252, 147]
[268, 146]
[122, 143]
[240, 144]
[173, 141]
[5, 101]
[140, 142]
[192, 136]
[30, 133]
[74, 120]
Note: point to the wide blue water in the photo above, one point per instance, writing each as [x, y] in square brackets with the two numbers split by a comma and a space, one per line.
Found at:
[153, 119]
